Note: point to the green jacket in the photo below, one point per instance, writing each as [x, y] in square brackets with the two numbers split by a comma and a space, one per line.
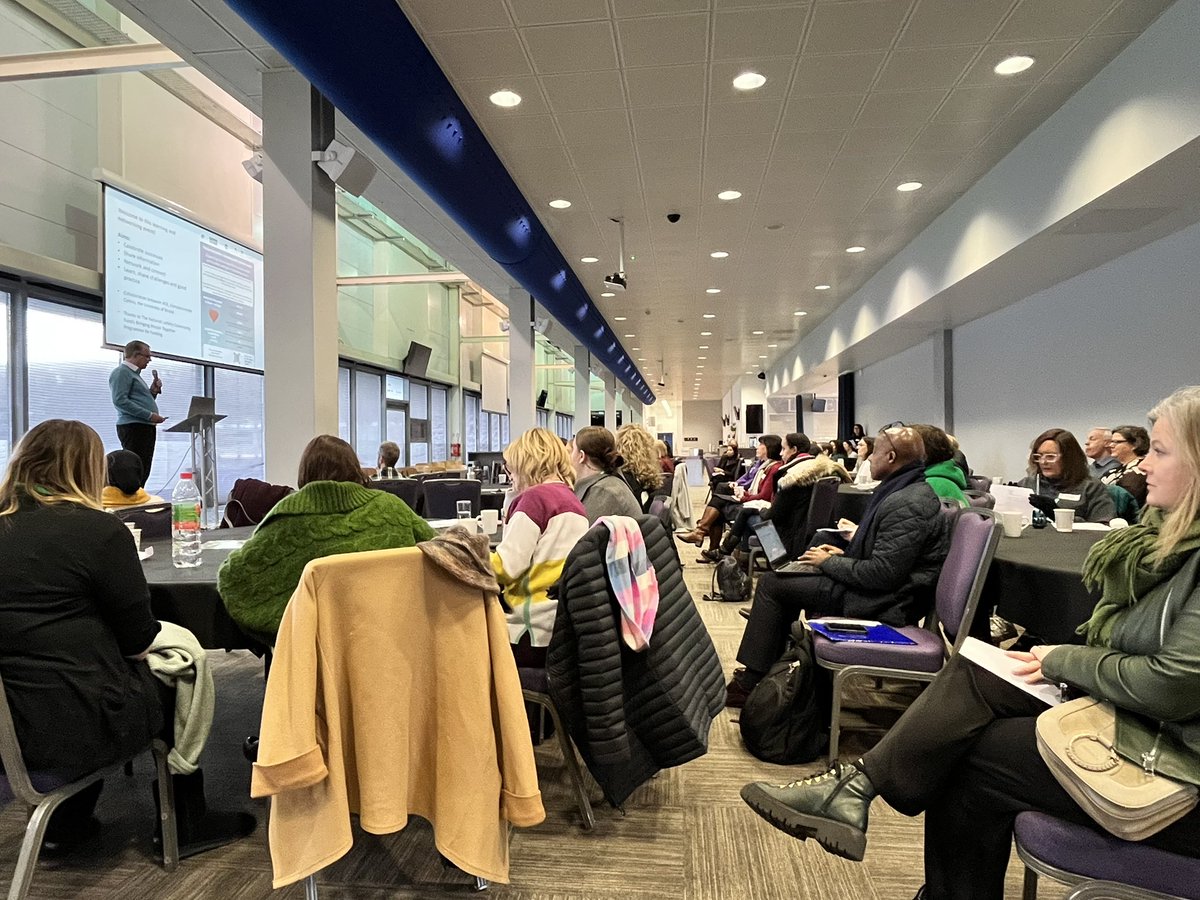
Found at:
[320, 519]
[1150, 672]
[947, 481]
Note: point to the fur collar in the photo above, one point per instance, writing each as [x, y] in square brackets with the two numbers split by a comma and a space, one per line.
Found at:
[811, 470]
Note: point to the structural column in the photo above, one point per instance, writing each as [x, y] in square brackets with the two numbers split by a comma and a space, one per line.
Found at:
[521, 415]
[300, 387]
[583, 387]
[610, 400]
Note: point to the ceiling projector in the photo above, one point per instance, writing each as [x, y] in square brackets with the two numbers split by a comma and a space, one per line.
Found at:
[615, 281]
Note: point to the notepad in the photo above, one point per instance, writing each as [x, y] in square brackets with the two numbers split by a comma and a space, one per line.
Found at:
[877, 632]
[1001, 665]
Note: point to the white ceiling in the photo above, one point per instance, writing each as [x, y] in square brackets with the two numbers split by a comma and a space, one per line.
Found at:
[628, 111]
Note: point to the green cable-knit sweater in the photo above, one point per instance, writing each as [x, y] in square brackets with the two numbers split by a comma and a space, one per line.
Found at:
[320, 519]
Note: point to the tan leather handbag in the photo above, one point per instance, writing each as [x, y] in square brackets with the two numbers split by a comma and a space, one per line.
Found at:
[1077, 740]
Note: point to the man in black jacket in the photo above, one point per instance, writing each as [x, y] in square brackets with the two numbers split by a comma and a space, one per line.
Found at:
[888, 572]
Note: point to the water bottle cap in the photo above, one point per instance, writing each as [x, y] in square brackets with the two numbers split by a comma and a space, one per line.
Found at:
[187, 475]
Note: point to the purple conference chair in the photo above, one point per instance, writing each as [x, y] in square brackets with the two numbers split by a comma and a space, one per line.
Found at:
[1119, 870]
[980, 499]
[973, 539]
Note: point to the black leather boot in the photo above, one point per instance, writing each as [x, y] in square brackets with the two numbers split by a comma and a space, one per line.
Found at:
[201, 829]
[831, 807]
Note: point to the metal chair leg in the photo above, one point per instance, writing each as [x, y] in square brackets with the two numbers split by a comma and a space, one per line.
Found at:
[31, 847]
[1030, 885]
[310, 887]
[835, 717]
[166, 807]
[573, 771]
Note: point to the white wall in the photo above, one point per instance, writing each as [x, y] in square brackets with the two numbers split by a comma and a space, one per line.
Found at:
[905, 387]
[702, 421]
[1099, 349]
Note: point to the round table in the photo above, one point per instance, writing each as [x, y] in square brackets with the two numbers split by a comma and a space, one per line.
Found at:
[1035, 581]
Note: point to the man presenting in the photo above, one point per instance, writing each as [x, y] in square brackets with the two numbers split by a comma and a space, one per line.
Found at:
[888, 571]
[137, 413]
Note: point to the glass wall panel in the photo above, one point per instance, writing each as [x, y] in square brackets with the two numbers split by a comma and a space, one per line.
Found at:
[239, 397]
[439, 440]
[471, 421]
[368, 412]
[344, 403]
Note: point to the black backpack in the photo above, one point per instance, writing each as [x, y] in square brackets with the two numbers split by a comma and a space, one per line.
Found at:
[786, 717]
[729, 582]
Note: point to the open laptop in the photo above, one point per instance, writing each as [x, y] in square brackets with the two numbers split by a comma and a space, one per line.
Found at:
[776, 552]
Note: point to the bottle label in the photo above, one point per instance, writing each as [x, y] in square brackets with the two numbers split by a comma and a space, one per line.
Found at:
[186, 517]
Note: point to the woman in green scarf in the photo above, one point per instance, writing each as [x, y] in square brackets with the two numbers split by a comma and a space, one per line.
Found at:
[965, 753]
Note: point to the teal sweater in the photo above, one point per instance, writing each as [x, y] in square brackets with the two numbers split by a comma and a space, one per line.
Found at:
[947, 481]
[133, 400]
[320, 519]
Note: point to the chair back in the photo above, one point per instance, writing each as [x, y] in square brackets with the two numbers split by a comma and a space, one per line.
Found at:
[980, 499]
[407, 489]
[660, 508]
[973, 540]
[154, 520]
[821, 505]
[979, 483]
[1125, 503]
[709, 465]
[250, 500]
[442, 496]
[949, 507]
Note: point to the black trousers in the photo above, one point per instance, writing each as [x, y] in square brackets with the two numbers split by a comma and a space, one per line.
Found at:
[778, 600]
[139, 438]
[742, 526]
[965, 754]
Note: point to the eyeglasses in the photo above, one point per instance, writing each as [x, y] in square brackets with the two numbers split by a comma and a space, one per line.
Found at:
[1117, 441]
[1045, 457]
[890, 425]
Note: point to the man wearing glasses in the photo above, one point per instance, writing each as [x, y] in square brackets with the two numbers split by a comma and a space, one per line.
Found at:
[137, 411]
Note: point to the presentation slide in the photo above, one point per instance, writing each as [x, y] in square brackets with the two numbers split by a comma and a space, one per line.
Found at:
[186, 291]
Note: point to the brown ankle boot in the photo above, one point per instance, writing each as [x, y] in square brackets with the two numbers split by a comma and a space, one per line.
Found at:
[710, 516]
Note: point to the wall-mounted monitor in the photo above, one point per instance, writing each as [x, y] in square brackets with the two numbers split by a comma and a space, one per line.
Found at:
[187, 291]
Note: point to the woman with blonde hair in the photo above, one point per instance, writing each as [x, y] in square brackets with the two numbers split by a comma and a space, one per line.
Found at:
[965, 753]
[75, 631]
[545, 520]
[642, 470]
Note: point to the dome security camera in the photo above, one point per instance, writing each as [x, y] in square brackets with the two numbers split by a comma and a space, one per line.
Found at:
[673, 217]
[662, 382]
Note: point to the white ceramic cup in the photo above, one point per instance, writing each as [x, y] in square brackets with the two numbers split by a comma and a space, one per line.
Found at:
[137, 537]
[1012, 524]
[490, 519]
[1064, 519]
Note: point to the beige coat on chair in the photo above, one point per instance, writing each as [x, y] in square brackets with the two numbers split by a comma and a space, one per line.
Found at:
[394, 693]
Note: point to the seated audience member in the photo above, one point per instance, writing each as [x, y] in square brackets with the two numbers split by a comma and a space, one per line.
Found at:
[642, 470]
[862, 471]
[332, 512]
[965, 753]
[598, 482]
[1096, 449]
[941, 473]
[887, 572]
[389, 455]
[794, 450]
[723, 508]
[793, 493]
[837, 454]
[544, 523]
[1058, 476]
[850, 445]
[1129, 445]
[727, 465]
[960, 458]
[665, 460]
[75, 632]
[124, 487]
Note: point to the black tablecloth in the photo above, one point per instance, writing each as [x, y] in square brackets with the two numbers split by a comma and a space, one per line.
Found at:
[851, 503]
[189, 597]
[1035, 581]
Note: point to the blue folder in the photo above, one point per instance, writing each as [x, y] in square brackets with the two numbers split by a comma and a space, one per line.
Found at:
[876, 634]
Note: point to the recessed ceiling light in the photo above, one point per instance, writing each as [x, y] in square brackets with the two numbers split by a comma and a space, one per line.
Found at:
[799, 312]
[703, 347]
[701, 357]
[855, 249]
[560, 204]
[712, 290]
[506, 98]
[589, 259]
[762, 356]
[756, 332]
[718, 254]
[699, 366]
[635, 350]
[619, 318]
[706, 334]
[1013, 65]
[772, 346]
[750, 372]
[823, 287]
[608, 294]
[774, 226]
[907, 186]
[749, 81]
[631, 335]
[710, 315]
[729, 195]
[641, 359]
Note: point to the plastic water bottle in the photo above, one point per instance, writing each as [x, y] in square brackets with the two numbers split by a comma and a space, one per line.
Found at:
[185, 523]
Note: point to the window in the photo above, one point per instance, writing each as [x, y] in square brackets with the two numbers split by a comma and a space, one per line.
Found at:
[368, 414]
[471, 421]
[173, 450]
[438, 439]
[543, 418]
[5, 412]
[397, 430]
[397, 387]
[418, 432]
[344, 403]
[239, 397]
[564, 425]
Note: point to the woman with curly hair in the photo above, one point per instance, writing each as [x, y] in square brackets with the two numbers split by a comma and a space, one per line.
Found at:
[642, 470]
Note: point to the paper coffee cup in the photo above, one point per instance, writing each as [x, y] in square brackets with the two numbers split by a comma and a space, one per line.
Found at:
[1011, 521]
[490, 519]
[1064, 519]
[137, 537]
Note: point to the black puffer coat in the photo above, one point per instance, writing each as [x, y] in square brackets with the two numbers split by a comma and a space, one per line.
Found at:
[631, 714]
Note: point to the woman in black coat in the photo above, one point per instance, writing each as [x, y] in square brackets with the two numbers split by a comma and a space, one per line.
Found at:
[75, 631]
